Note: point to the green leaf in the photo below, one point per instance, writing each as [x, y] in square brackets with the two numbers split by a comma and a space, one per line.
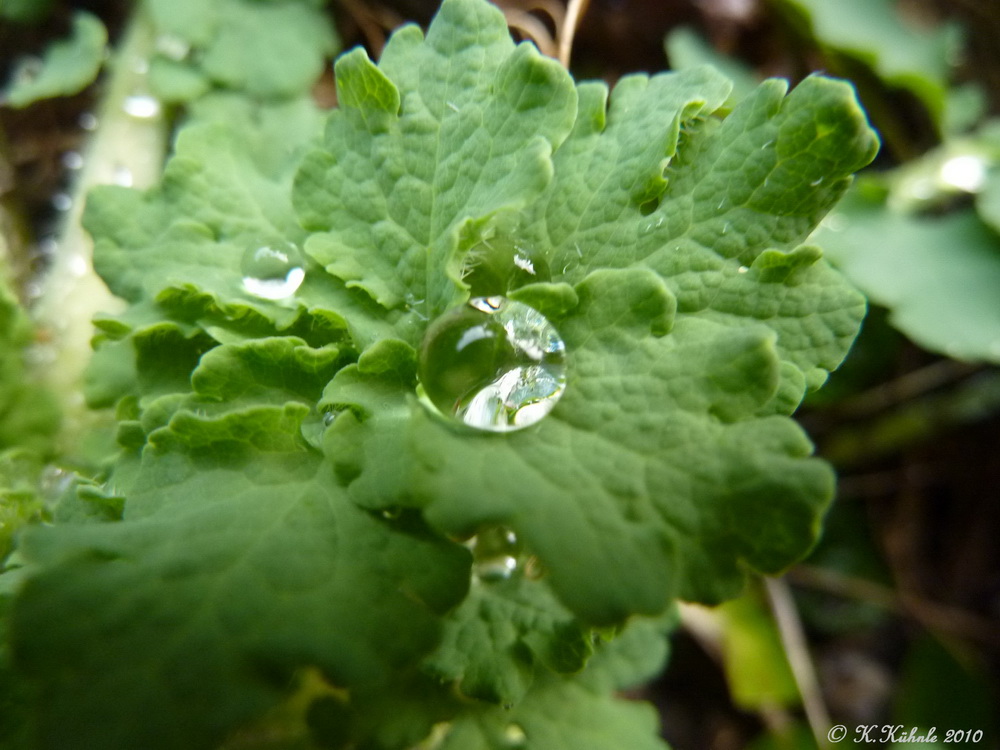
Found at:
[559, 714]
[238, 562]
[25, 11]
[265, 50]
[494, 640]
[29, 417]
[456, 128]
[870, 30]
[758, 181]
[754, 658]
[630, 490]
[938, 276]
[654, 476]
[686, 48]
[69, 66]
[290, 502]
[180, 245]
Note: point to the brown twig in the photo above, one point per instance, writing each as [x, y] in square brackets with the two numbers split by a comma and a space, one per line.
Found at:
[574, 12]
[531, 27]
[932, 615]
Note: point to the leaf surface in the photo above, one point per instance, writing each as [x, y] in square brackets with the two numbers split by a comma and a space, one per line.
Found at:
[68, 67]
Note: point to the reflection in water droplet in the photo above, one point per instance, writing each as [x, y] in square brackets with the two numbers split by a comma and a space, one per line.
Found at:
[493, 364]
[494, 554]
[272, 270]
[514, 735]
[141, 106]
[524, 264]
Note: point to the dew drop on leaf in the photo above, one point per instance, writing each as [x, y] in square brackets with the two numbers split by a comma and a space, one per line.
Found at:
[272, 270]
[495, 552]
[493, 364]
[142, 106]
[173, 47]
[514, 736]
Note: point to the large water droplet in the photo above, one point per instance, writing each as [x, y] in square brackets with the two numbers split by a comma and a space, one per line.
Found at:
[493, 364]
[272, 270]
[495, 550]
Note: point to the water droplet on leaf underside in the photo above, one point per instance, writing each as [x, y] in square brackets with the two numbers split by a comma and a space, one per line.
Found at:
[493, 364]
[272, 270]
[495, 550]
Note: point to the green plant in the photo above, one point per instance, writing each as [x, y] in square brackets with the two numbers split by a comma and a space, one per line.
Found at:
[288, 540]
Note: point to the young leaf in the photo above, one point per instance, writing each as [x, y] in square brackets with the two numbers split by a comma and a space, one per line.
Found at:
[69, 66]
[265, 50]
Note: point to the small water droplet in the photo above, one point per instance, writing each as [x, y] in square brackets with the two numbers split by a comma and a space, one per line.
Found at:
[172, 47]
[391, 513]
[88, 121]
[62, 202]
[817, 182]
[122, 176]
[72, 160]
[78, 265]
[494, 554]
[33, 290]
[452, 106]
[514, 736]
[142, 106]
[273, 270]
[742, 269]
[493, 364]
[329, 418]
[834, 222]
[54, 481]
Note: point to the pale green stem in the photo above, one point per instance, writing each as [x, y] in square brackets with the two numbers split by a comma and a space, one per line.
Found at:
[127, 147]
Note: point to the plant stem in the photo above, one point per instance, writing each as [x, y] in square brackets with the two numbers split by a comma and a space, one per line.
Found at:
[126, 149]
[796, 647]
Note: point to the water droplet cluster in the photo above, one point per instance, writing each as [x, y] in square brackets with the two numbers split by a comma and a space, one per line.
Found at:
[493, 364]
